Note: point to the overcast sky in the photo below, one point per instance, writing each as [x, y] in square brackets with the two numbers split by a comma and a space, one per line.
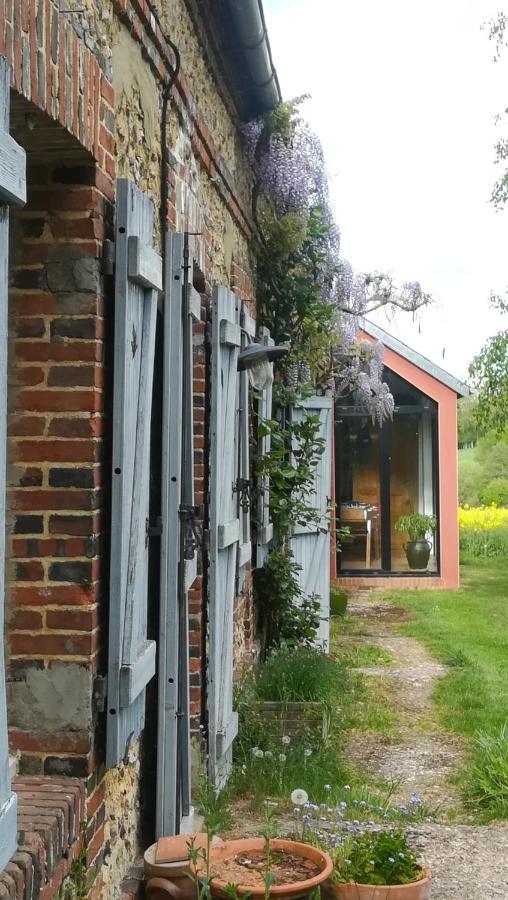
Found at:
[403, 97]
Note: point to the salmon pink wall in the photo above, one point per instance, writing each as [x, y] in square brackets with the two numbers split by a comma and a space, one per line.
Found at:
[446, 399]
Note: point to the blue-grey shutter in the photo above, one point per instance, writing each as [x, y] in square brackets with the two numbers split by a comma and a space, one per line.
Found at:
[182, 307]
[12, 192]
[138, 280]
[243, 493]
[264, 532]
[224, 530]
[311, 543]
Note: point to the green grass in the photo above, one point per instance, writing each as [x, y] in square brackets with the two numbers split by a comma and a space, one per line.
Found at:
[468, 630]
[363, 656]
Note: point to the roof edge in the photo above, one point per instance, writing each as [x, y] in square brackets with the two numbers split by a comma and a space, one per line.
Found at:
[426, 365]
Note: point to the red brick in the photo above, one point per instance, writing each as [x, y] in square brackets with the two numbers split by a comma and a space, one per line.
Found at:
[78, 525]
[91, 426]
[29, 571]
[72, 619]
[25, 620]
[21, 426]
[107, 91]
[52, 499]
[62, 595]
[28, 376]
[55, 451]
[96, 799]
[36, 645]
[70, 351]
[58, 401]
[54, 742]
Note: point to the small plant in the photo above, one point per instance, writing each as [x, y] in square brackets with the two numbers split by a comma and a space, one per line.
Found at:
[379, 857]
[416, 525]
[297, 675]
[286, 614]
[488, 774]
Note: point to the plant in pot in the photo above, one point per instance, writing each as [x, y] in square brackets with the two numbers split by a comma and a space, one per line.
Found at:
[265, 867]
[378, 865]
[417, 526]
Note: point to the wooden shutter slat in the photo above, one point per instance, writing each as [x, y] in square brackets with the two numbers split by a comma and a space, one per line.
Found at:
[145, 265]
[224, 529]
[131, 655]
[264, 534]
[12, 190]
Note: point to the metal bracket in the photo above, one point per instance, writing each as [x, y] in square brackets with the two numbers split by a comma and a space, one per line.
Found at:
[192, 534]
[154, 530]
[242, 488]
[108, 258]
[100, 691]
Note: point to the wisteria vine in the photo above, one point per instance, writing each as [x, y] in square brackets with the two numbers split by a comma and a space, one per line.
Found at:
[308, 294]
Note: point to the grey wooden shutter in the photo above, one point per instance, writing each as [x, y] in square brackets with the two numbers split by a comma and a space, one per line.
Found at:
[12, 192]
[243, 431]
[310, 544]
[224, 531]
[138, 279]
[182, 307]
[264, 533]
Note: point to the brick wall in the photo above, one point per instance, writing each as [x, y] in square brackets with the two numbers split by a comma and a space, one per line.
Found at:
[55, 497]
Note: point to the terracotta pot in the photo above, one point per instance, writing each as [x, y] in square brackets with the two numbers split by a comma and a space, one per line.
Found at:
[293, 890]
[416, 890]
[163, 889]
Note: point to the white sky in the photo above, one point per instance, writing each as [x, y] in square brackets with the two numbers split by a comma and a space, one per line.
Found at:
[403, 97]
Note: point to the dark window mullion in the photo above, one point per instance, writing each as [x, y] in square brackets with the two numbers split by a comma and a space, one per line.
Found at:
[384, 471]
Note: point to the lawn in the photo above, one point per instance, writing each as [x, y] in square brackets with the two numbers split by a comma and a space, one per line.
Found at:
[468, 630]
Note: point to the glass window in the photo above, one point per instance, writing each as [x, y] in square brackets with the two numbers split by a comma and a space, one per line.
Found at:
[359, 497]
[382, 474]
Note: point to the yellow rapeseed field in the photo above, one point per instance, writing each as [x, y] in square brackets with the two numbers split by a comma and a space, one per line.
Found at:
[483, 518]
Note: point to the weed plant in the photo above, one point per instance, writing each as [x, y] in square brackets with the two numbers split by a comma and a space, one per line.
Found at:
[300, 675]
[487, 778]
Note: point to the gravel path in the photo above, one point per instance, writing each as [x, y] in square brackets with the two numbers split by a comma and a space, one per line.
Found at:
[468, 862]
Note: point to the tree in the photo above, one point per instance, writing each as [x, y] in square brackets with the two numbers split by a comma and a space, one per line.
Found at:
[489, 371]
[468, 428]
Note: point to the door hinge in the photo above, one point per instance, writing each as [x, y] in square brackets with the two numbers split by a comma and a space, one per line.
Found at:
[100, 691]
[242, 488]
[108, 258]
[154, 530]
[192, 533]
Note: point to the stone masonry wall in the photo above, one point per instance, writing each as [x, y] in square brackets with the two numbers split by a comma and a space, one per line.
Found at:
[95, 69]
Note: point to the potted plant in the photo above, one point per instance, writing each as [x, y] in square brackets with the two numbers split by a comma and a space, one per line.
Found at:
[261, 868]
[417, 527]
[378, 865]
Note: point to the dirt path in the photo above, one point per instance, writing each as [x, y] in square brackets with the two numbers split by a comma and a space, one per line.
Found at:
[468, 862]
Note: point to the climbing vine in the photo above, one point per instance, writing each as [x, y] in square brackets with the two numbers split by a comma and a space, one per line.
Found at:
[310, 299]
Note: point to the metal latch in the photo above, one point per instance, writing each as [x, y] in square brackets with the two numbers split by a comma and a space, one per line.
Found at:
[192, 534]
[242, 488]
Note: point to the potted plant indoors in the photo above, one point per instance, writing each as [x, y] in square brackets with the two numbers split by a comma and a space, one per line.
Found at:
[417, 527]
[378, 865]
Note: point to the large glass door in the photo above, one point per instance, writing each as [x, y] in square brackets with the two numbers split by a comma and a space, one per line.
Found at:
[383, 473]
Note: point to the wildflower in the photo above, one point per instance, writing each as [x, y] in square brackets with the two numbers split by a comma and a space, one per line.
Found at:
[391, 859]
[282, 757]
[308, 752]
[327, 787]
[347, 787]
[258, 753]
[401, 856]
[348, 862]
[299, 797]
[268, 754]
[372, 862]
[415, 800]
[254, 750]
[286, 739]
[343, 804]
